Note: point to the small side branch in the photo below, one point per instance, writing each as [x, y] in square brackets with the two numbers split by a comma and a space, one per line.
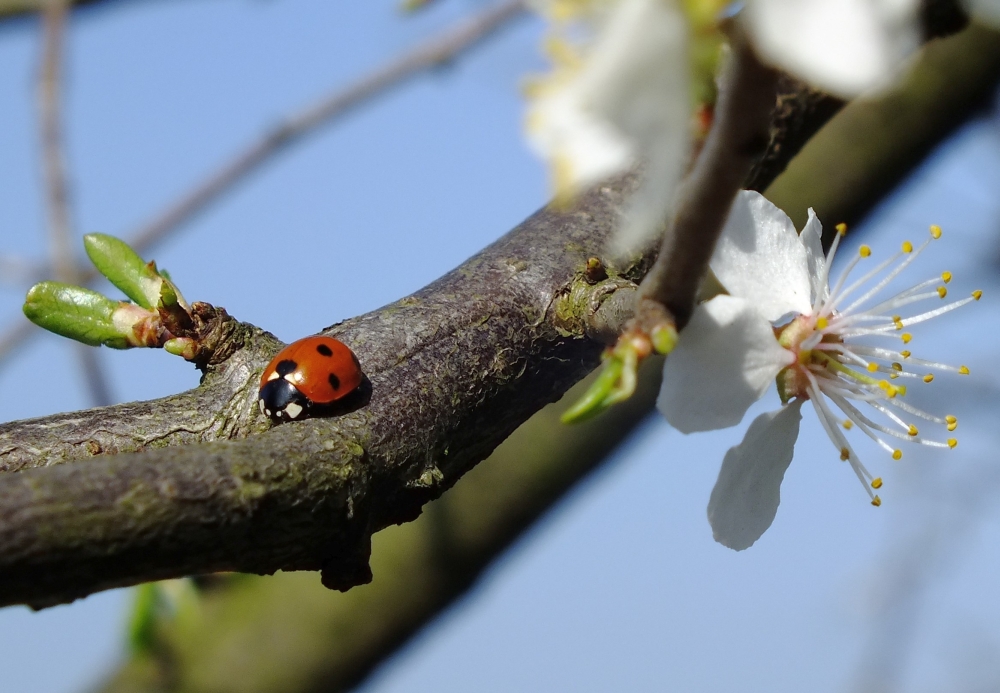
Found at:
[739, 135]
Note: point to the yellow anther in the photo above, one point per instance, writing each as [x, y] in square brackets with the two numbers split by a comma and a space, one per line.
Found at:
[897, 366]
[897, 454]
[845, 454]
[905, 354]
[893, 376]
[952, 442]
[977, 294]
[872, 367]
[842, 229]
[877, 482]
[963, 370]
[906, 337]
[907, 247]
[942, 292]
[952, 422]
[913, 430]
[952, 426]
[864, 251]
[935, 231]
[876, 501]
[821, 323]
[929, 378]
[897, 321]
[848, 424]
[884, 385]
[902, 390]
[946, 277]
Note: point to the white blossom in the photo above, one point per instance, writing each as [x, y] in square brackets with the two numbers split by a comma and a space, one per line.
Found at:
[782, 322]
[620, 100]
[844, 47]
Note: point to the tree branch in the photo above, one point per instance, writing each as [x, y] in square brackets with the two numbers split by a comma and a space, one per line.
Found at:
[739, 136]
[452, 371]
[422, 567]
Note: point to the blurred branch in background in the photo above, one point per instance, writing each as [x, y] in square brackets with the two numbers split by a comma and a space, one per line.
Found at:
[286, 633]
[61, 236]
[430, 54]
[13, 9]
[932, 545]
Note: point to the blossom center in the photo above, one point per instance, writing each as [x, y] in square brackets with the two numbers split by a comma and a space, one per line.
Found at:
[799, 337]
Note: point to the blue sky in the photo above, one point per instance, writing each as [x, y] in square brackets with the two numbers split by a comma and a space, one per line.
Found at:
[622, 586]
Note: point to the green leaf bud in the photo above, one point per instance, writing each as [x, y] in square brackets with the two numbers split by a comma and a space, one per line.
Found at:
[123, 267]
[76, 313]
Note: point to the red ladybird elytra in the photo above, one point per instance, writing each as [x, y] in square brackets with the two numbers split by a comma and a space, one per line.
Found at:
[310, 373]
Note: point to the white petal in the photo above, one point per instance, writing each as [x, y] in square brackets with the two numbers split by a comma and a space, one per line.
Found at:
[637, 79]
[746, 495]
[842, 46]
[629, 102]
[812, 240]
[725, 360]
[759, 258]
[581, 147]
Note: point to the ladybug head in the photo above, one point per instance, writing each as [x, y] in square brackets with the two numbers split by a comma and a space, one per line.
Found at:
[281, 400]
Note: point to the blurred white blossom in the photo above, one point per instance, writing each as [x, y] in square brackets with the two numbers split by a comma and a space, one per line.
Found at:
[618, 97]
[781, 322]
[844, 47]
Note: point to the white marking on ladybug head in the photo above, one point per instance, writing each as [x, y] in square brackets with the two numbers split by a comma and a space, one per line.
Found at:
[293, 410]
[272, 376]
[260, 403]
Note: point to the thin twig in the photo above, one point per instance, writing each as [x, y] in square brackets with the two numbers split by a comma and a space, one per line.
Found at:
[425, 56]
[434, 52]
[50, 126]
[64, 265]
[739, 135]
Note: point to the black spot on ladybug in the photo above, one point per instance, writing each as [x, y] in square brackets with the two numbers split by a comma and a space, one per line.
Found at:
[285, 367]
[334, 381]
[324, 350]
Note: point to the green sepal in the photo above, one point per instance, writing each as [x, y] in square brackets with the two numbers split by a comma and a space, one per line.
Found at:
[123, 267]
[74, 312]
[616, 383]
[594, 400]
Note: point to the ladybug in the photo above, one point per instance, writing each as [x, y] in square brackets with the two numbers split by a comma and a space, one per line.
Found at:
[311, 373]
